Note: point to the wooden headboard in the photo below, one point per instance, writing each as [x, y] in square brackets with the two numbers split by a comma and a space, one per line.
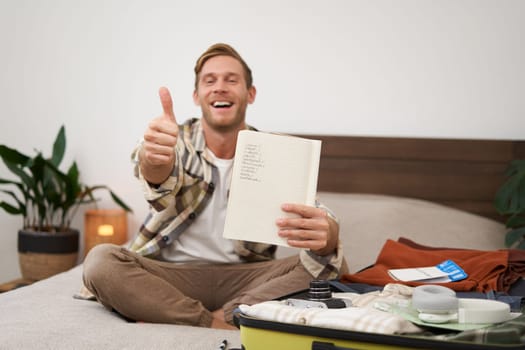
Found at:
[464, 174]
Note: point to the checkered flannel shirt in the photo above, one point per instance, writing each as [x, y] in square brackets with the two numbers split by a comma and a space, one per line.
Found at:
[177, 202]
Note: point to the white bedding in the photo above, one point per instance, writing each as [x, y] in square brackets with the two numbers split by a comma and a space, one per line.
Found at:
[46, 316]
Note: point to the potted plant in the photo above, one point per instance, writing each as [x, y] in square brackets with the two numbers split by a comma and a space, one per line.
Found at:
[47, 198]
[510, 201]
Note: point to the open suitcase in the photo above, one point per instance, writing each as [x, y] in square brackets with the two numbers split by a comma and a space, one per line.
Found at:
[268, 335]
[258, 334]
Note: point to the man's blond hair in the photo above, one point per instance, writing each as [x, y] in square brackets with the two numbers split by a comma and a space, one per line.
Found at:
[221, 49]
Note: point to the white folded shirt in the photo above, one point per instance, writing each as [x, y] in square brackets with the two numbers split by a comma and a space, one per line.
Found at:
[351, 318]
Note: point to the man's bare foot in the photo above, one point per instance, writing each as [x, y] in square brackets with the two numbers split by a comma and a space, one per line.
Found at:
[219, 322]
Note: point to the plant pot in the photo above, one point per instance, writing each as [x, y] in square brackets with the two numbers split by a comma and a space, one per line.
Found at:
[44, 254]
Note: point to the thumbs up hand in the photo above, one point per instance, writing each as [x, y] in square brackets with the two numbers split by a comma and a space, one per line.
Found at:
[167, 104]
[157, 156]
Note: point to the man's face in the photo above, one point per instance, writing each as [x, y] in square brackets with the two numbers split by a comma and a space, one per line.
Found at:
[222, 93]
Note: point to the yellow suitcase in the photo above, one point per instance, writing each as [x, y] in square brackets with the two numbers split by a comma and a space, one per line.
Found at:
[259, 334]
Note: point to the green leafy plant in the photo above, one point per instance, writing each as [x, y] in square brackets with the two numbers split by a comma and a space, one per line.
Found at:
[510, 201]
[45, 196]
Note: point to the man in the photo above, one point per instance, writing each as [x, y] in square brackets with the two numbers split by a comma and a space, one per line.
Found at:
[191, 274]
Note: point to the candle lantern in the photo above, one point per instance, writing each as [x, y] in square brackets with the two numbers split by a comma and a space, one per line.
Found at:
[104, 226]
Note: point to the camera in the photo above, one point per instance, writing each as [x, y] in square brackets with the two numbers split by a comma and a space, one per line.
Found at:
[318, 296]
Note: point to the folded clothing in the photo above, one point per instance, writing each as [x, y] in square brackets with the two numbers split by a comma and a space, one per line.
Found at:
[509, 333]
[351, 318]
[515, 265]
[485, 269]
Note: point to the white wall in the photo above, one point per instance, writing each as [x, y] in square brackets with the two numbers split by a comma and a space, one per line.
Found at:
[393, 68]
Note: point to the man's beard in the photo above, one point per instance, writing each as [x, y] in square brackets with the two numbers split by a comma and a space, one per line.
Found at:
[232, 125]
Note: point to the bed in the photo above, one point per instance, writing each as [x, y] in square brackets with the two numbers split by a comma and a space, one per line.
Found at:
[435, 192]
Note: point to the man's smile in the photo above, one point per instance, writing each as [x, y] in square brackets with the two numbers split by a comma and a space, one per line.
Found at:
[222, 104]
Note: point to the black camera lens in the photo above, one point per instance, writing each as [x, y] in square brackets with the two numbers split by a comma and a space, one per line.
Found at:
[319, 290]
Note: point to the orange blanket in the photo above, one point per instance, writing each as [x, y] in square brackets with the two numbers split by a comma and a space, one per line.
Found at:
[484, 268]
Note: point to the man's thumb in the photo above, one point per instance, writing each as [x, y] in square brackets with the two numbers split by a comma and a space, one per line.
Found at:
[167, 103]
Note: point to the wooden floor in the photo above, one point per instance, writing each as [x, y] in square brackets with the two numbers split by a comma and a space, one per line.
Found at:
[7, 286]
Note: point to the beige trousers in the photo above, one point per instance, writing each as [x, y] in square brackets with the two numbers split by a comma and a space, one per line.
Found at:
[148, 290]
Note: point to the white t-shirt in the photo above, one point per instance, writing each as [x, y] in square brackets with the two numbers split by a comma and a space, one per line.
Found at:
[203, 241]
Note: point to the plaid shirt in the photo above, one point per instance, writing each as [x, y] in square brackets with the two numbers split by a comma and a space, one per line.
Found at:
[510, 333]
[176, 203]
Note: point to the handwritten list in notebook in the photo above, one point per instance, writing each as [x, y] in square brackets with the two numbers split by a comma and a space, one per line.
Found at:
[269, 170]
